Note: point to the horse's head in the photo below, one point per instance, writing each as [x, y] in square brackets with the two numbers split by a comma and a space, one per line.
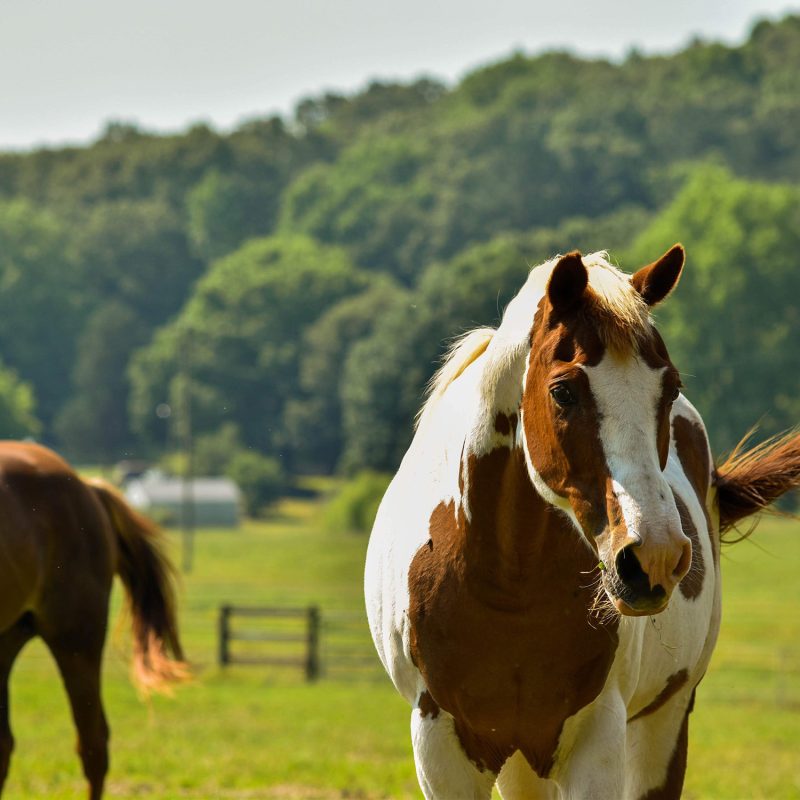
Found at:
[596, 404]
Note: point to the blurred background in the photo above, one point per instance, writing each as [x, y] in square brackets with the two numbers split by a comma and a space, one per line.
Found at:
[303, 269]
[234, 242]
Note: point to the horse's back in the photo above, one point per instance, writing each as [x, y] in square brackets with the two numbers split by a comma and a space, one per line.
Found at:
[53, 534]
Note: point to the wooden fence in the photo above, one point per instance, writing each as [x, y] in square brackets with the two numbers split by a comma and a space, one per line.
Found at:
[347, 651]
[334, 644]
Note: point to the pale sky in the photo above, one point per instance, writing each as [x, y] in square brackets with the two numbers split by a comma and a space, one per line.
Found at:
[69, 66]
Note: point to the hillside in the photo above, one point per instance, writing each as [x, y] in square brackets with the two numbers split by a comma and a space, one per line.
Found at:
[302, 273]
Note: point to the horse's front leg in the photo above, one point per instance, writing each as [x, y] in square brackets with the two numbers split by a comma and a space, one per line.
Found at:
[590, 762]
[443, 769]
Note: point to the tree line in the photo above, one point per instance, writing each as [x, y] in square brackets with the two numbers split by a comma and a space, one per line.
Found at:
[301, 276]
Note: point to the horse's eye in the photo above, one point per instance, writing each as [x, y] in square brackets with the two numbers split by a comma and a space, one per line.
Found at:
[563, 395]
[675, 394]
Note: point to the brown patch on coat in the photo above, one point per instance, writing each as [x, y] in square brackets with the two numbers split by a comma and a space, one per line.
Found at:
[427, 706]
[506, 424]
[692, 583]
[564, 443]
[502, 424]
[500, 621]
[691, 444]
[672, 787]
[674, 684]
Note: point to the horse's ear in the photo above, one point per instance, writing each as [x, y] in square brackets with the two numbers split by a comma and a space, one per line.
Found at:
[655, 281]
[567, 282]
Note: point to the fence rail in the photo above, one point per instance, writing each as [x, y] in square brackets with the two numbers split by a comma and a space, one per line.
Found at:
[337, 644]
[347, 649]
[304, 626]
[333, 644]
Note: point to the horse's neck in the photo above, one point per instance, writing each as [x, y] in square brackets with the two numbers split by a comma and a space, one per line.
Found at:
[515, 546]
[512, 536]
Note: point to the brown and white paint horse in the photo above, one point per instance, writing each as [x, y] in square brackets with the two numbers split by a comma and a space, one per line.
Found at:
[542, 580]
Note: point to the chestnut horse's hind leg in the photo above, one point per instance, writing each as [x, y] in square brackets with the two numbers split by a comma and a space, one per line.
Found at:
[11, 642]
[79, 666]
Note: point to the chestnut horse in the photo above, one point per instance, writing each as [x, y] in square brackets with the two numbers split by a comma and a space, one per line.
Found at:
[62, 540]
[542, 579]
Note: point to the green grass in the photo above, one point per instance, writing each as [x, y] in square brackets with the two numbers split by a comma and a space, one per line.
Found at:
[745, 732]
[259, 733]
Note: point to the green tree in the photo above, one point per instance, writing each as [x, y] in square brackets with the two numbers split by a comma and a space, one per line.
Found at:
[133, 260]
[93, 425]
[543, 152]
[373, 200]
[342, 117]
[42, 302]
[135, 252]
[17, 406]
[214, 451]
[261, 479]
[226, 209]
[240, 338]
[354, 506]
[733, 323]
[314, 415]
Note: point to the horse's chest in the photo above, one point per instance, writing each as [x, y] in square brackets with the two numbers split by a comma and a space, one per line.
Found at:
[509, 673]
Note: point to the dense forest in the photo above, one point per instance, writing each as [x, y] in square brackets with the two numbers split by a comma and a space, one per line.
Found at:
[294, 282]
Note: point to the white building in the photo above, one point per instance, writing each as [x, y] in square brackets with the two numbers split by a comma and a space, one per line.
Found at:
[216, 501]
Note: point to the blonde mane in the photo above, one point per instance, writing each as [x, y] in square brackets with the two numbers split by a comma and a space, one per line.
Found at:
[462, 352]
[621, 314]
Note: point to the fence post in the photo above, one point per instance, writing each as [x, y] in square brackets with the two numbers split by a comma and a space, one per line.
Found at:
[312, 657]
[224, 635]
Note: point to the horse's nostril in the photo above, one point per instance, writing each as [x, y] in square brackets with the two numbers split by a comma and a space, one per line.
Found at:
[629, 569]
[635, 583]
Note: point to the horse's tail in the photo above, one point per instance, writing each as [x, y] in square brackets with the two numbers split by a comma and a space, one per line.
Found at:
[148, 577]
[750, 480]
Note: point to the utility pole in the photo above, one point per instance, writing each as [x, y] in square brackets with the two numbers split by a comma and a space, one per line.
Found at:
[187, 498]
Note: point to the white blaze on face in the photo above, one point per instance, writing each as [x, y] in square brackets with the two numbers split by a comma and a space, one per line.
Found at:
[627, 393]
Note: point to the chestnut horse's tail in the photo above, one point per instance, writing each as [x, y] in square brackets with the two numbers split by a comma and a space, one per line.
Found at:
[148, 577]
[749, 480]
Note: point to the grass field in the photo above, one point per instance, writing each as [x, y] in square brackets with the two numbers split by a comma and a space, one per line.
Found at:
[248, 732]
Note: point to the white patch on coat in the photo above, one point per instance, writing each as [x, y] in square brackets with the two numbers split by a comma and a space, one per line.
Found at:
[443, 769]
